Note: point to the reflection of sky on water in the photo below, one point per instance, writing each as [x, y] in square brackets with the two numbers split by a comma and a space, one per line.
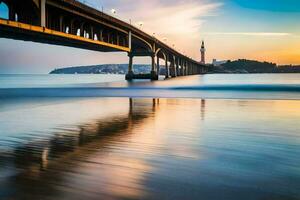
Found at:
[211, 86]
[113, 80]
[150, 149]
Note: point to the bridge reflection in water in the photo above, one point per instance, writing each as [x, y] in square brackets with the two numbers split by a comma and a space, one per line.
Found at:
[73, 163]
[94, 159]
[151, 149]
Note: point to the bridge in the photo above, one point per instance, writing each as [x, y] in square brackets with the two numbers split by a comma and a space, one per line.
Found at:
[74, 24]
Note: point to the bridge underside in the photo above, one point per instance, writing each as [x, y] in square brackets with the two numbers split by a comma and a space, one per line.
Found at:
[47, 36]
[73, 24]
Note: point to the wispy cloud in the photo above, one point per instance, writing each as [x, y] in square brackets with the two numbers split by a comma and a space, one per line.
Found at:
[176, 18]
[261, 34]
[179, 21]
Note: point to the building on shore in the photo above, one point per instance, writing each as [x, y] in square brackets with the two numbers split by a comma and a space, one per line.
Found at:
[217, 63]
[202, 50]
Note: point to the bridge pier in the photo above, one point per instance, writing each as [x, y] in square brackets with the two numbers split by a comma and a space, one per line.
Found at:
[186, 69]
[43, 13]
[193, 69]
[61, 20]
[11, 13]
[172, 68]
[154, 75]
[157, 66]
[183, 68]
[177, 68]
[167, 68]
[130, 74]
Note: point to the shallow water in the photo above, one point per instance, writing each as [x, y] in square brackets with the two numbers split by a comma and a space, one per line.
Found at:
[214, 86]
[100, 80]
[151, 148]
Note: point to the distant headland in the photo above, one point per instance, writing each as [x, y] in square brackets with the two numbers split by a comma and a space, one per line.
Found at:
[239, 66]
[101, 69]
[105, 69]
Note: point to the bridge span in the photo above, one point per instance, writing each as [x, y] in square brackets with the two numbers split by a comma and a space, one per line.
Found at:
[71, 23]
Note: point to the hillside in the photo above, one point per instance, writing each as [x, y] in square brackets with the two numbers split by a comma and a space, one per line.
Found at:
[252, 66]
[249, 66]
[102, 69]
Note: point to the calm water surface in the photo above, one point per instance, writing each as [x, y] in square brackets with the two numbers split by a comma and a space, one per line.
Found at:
[55, 147]
[222, 86]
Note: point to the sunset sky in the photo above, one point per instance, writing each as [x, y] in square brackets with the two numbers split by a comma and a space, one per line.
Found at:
[267, 30]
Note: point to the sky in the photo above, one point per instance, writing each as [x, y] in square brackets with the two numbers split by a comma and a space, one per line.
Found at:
[265, 30]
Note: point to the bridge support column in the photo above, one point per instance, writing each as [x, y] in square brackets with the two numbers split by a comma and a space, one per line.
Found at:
[157, 66]
[92, 36]
[129, 75]
[108, 37]
[129, 39]
[61, 20]
[173, 67]
[43, 13]
[187, 68]
[180, 68]
[118, 40]
[101, 35]
[11, 13]
[177, 68]
[167, 68]
[154, 75]
[194, 69]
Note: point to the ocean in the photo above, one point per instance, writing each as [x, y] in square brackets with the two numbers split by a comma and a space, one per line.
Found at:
[218, 136]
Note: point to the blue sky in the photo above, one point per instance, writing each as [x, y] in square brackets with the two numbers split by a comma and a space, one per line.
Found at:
[254, 29]
[270, 5]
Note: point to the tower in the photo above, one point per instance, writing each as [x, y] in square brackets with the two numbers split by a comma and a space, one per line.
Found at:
[202, 50]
